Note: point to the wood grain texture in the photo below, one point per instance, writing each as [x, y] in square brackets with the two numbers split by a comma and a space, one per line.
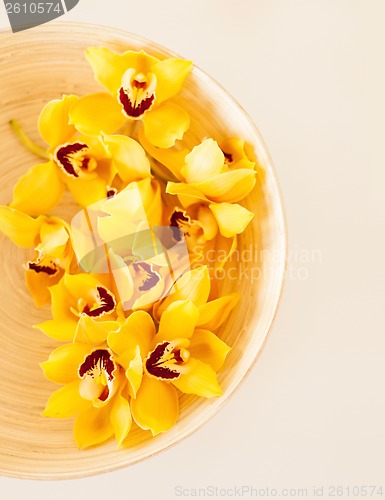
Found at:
[42, 64]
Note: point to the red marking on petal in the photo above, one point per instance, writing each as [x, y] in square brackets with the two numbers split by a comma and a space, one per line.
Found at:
[156, 362]
[151, 278]
[51, 270]
[97, 362]
[134, 109]
[107, 303]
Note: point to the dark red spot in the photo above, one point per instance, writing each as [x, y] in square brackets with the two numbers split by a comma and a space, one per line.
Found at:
[154, 363]
[51, 271]
[133, 110]
[63, 158]
[107, 303]
[177, 220]
[151, 277]
[111, 192]
[138, 85]
[100, 359]
[228, 156]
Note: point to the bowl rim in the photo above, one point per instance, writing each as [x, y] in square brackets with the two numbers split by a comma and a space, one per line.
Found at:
[280, 211]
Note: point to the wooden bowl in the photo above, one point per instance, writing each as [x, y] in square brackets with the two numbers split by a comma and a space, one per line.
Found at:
[42, 64]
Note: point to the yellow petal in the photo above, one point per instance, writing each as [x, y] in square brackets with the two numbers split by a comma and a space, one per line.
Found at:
[170, 74]
[58, 329]
[108, 67]
[54, 236]
[207, 347]
[193, 285]
[19, 227]
[63, 363]
[134, 373]
[204, 161]
[137, 330]
[228, 187]
[165, 124]
[232, 218]
[200, 379]
[121, 419]
[188, 194]
[92, 332]
[235, 151]
[38, 285]
[129, 157]
[207, 222]
[87, 191]
[156, 407]
[39, 190]
[93, 426]
[66, 402]
[97, 113]
[151, 195]
[172, 158]
[178, 321]
[53, 121]
[80, 285]
[215, 313]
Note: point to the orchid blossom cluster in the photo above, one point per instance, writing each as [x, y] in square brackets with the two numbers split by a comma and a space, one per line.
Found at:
[134, 305]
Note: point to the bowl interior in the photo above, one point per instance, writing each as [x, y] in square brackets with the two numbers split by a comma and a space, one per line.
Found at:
[42, 64]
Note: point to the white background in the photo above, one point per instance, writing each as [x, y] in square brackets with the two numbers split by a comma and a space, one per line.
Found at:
[312, 412]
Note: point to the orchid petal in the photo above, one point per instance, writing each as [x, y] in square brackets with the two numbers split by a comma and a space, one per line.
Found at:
[172, 158]
[108, 67]
[58, 329]
[200, 379]
[232, 218]
[39, 190]
[66, 402]
[38, 284]
[92, 332]
[87, 191]
[165, 124]
[138, 329]
[53, 121]
[93, 426]
[178, 321]
[129, 157]
[207, 347]
[204, 162]
[63, 363]
[120, 417]
[97, 113]
[170, 74]
[156, 407]
[193, 285]
[229, 186]
[19, 227]
[215, 313]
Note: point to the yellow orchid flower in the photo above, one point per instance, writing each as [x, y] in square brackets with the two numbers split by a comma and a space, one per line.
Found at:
[74, 297]
[207, 176]
[78, 162]
[95, 389]
[140, 87]
[179, 356]
[86, 165]
[51, 239]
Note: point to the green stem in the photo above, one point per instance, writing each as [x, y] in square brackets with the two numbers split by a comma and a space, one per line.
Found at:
[26, 141]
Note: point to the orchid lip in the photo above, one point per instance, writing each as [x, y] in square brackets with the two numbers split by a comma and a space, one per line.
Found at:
[137, 93]
[74, 159]
[178, 222]
[105, 303]
[150, 278]
[98, 374]
[167, 360]
[50, 270]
